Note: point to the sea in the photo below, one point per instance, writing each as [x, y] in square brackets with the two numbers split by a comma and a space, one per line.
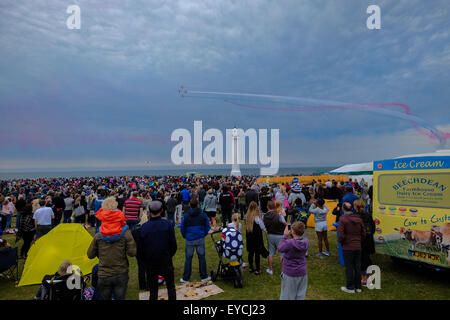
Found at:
[300, 171]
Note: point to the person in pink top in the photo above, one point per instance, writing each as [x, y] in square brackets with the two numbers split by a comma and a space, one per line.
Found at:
[7, 213]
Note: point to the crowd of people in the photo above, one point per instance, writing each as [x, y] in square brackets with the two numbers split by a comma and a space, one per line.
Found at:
[138, 216]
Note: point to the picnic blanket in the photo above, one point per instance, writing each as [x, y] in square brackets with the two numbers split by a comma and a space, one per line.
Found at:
[187, 291]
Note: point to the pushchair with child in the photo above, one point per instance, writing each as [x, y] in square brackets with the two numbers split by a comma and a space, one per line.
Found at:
[55, 287]
[229, 247]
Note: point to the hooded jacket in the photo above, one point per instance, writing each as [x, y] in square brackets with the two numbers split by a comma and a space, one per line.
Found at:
[194, 224]
[113, 224]
[112, 255]
[294, 258]
[210, 202]
[351, 231]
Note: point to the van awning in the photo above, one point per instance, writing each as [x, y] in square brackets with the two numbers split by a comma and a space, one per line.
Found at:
[355, 169]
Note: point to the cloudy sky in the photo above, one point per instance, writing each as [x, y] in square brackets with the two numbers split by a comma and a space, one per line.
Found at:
[106, 95]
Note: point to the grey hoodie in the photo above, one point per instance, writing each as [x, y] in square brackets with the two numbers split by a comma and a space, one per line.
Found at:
[319, 214]
[210, 202]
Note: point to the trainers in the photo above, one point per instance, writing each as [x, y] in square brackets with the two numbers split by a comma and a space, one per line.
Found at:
[244, 265]
[320, 255]
[327, 253]
[358, 290]
[269, 271]
[347, 290]
[184, 281]
[206, 279]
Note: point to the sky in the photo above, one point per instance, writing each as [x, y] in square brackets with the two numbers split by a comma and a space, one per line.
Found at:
[106, 95]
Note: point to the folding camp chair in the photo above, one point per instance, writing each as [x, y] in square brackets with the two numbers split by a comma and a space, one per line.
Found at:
[9, 265]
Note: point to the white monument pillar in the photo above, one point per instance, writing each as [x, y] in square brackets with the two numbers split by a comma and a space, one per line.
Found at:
[235, 170]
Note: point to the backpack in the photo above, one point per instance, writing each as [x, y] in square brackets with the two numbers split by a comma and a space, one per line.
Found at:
[301, 215]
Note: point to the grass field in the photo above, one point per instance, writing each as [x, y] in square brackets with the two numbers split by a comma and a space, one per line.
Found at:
[325, 277]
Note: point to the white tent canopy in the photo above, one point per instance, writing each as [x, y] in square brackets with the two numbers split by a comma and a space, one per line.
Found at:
[355, 167]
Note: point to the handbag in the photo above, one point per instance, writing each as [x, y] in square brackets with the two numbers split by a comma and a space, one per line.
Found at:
[263, 251]
[286, 203]
[79, 211]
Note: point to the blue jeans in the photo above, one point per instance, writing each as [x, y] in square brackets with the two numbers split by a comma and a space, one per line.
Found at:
[199, 246]
[8, 221]
[18, 220]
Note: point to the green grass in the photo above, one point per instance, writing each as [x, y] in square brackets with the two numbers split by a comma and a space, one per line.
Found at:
[325, 277]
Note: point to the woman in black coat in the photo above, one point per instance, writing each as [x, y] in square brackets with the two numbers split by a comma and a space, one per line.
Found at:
[26, 229]
[255, 243]
[368, 244]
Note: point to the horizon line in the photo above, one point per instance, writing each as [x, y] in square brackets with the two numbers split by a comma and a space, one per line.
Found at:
[174, 168]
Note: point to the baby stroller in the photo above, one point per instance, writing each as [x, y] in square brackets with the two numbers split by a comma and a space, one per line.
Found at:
[229, 247]
[54, 287]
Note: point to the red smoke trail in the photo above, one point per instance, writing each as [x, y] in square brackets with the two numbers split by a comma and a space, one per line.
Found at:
[441, 136]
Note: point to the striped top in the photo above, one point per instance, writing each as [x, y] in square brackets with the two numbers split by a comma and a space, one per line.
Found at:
[131, 209]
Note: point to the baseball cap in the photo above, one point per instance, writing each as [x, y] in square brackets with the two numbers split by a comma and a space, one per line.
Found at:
[155, 206]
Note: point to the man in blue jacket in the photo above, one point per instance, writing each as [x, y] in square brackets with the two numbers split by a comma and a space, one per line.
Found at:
[350, 197]
[194, 228]
[185, 198]
[157, 245]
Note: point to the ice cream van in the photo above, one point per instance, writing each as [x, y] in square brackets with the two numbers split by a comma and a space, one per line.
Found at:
[411, 208]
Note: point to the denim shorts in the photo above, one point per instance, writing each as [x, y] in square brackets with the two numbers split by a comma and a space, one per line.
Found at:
[273, 240]
[321, 226]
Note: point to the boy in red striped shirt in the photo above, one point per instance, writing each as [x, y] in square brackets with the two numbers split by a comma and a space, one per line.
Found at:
[132, 208]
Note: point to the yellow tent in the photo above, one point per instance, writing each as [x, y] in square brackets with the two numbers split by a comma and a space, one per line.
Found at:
[67, 241]
[331, 204]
